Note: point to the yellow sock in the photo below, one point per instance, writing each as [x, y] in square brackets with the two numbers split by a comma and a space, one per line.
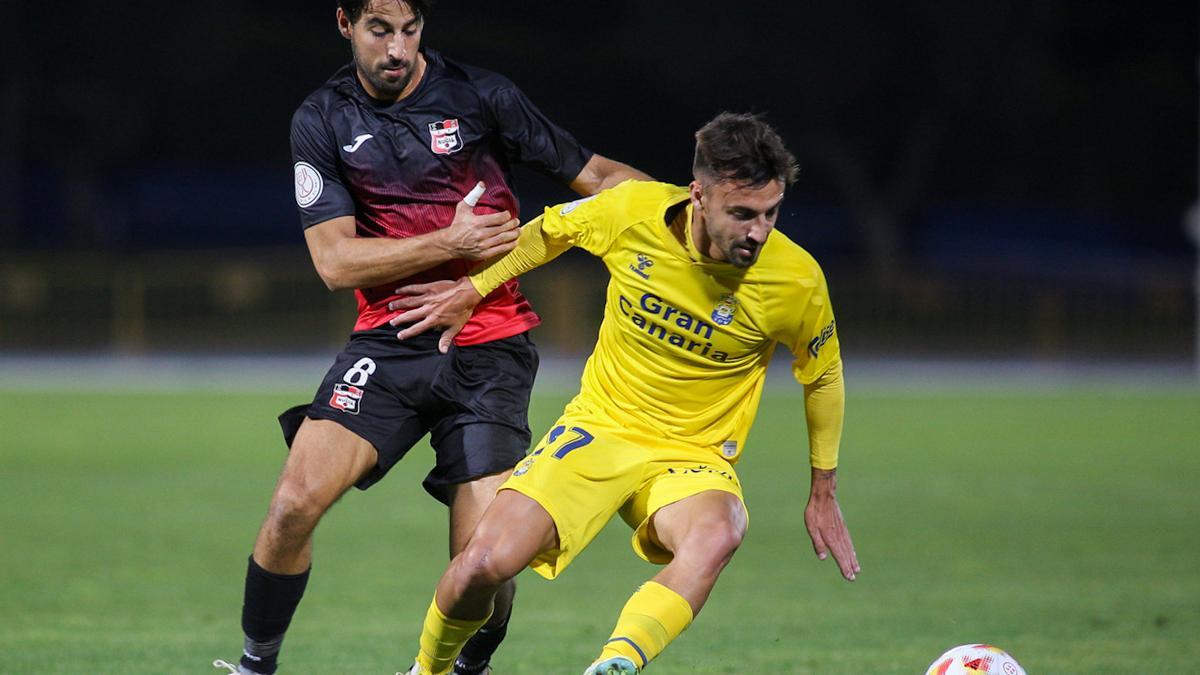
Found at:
[652, 618]
[442, 638]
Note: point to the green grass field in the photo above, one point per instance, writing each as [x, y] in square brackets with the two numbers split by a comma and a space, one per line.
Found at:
[1063, 526]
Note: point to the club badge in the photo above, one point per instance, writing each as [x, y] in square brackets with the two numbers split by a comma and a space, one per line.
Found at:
[723, 314]
[347, 398]
[444, 138]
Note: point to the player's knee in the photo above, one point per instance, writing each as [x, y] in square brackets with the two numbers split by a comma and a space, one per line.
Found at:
[712, 544]
[296, 507]
[724, 539]
[479, 567]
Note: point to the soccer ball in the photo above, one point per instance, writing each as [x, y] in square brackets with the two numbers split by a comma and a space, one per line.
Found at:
[975, 659]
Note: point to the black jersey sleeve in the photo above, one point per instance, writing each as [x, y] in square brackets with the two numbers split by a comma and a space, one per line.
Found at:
[320, 191]
[530, 137]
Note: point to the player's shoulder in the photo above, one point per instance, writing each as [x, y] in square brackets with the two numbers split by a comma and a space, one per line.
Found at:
[317, 107]
[486, 83]
[784, 261]
[643, 199]
[628, 204]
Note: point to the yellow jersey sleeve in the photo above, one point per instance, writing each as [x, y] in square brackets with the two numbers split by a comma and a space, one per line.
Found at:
[824, 411]
[801, 315]
[804, 316]
[591, 223]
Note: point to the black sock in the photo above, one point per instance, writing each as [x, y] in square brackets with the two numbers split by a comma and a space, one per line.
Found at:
[267, 609]
[478, 651]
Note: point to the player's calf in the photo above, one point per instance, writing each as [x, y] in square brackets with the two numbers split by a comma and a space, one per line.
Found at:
[476, 655]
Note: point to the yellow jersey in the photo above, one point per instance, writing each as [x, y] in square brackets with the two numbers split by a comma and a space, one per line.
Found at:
[684, 346]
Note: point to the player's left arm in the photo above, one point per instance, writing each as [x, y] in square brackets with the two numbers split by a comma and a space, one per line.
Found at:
[814, 342]
[531, 138]
[601, 173]
[824, 406]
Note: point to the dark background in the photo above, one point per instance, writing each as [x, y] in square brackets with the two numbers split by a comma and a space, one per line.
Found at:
[966, 170]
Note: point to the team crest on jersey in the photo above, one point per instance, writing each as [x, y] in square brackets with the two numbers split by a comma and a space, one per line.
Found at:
[347, 398]
[643, 263]
[444, 138]
[525, 465]
[723, 314]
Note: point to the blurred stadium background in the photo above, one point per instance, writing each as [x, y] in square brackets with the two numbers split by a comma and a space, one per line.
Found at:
[985, 181]
[999, 193]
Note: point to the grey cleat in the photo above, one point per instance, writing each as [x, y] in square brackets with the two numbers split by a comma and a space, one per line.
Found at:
[617, 665]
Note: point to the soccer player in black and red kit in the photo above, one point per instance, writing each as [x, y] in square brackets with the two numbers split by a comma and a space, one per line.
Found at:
[384, 153]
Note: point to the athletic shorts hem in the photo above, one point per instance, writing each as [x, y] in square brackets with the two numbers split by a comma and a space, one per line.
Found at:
[654, 554]
[548, 564]
[373, 476]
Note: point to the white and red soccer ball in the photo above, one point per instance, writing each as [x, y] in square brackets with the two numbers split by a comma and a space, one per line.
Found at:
[977, 659]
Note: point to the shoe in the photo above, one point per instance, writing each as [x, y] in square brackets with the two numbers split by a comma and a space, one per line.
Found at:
[416, 670]
[617, 665]
[234, 669]
[487, 670]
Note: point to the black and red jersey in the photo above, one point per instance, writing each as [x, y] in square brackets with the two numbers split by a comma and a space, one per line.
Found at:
[400, 169]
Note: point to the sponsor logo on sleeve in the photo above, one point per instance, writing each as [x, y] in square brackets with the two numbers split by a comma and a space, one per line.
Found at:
[444, 138]
[814, 345]
[308, 184]
[347, 398]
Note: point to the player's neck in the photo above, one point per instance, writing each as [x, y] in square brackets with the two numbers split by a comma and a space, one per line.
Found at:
[699, 236]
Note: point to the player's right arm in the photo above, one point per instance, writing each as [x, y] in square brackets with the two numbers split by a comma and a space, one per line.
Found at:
[591, 223]
[344, 260]
[448, 304]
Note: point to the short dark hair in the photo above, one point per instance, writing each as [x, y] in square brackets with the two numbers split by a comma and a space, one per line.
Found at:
[742, 148]
[355, 8]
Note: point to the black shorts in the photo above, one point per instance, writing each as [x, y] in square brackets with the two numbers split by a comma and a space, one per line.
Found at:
[474, 401]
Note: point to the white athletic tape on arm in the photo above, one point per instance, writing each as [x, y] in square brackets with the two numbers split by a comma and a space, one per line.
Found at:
[473, 196]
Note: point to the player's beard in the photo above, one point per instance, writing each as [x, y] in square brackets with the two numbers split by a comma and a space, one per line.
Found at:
[738, 257]
[386, 88]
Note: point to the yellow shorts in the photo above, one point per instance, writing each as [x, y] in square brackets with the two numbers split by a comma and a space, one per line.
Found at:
[584, 471]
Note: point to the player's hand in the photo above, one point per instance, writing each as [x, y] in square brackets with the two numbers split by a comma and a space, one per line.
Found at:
[823, 518]
[479, 237]
[438, 304]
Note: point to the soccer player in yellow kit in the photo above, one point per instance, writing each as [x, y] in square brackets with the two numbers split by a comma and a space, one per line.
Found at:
[701, 291]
